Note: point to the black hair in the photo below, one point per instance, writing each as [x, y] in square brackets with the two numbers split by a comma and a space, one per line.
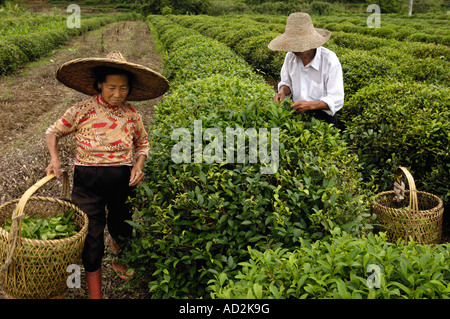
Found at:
[100, 73]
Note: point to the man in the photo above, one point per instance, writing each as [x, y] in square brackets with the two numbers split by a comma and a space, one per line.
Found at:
[311, 73]
[112, 146]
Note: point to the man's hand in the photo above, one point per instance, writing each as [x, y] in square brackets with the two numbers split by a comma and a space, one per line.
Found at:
[304, 106]
[282, 93]
[279, 97]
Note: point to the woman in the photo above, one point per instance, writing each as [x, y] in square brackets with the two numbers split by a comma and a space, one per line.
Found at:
[111, 148]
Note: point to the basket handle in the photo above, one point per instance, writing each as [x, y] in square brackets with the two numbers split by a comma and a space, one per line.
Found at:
[413, 203]
[23, 200]
[16, 225]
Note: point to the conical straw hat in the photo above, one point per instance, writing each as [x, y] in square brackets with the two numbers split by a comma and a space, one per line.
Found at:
[78, 74]
[299, 35]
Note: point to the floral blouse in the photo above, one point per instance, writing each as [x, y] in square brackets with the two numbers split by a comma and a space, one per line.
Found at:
[106, 135]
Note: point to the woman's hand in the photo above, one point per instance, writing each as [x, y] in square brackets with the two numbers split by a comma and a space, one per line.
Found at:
[137, 176]
[55, 165]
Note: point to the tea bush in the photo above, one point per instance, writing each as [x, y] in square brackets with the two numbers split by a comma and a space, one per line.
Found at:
[259, 56]
[169, 33]
[392, 27]
[11, 57]
[365, 59]
[344, 267]
[195, 218]
[246, 37]
[20, 48]
[28, 23]
[368, 62]
[361, 69]
[403, 123]
[369, 43]
[206, 58]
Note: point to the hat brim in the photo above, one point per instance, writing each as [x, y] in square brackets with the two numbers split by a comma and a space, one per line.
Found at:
[78, 74]
[291, 43]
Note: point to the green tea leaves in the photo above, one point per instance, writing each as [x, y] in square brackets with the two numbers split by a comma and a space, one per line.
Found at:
[56, 227]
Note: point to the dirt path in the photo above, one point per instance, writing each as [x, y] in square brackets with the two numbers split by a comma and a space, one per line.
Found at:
[33, 99]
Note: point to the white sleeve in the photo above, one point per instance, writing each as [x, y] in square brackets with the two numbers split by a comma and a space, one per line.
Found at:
[285, 77]
[335, 90]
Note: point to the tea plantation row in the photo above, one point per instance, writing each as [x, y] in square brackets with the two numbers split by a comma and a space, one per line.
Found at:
[26, 39]
[420, 28]
[396, 107]
[196, 220]
[23, 24]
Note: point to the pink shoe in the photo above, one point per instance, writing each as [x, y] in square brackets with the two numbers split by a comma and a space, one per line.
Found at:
[123, 271]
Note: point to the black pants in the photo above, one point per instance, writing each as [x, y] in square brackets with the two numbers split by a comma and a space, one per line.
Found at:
[94, 189]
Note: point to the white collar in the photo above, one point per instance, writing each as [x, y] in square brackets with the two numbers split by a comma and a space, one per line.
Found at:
[315, 63]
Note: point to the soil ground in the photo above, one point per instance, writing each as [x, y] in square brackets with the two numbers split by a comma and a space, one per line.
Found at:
[33, 99]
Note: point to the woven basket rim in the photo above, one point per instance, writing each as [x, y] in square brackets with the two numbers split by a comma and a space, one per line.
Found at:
[48, 242]
[439, 206]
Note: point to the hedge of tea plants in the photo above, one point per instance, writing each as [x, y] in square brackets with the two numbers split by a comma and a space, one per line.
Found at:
[195, 219]
[430, 28]
[403, 123]
[373, 64]
[392, 59]
[246, 37]
[27, 38]
[344, 267]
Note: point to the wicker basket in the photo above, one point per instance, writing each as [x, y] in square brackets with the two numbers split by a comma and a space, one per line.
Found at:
[418, 217]
[32, 268]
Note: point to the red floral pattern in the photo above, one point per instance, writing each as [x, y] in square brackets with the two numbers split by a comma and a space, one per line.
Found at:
[106, 135]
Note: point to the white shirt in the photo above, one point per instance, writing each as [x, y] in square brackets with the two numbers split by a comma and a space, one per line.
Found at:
[320, 80]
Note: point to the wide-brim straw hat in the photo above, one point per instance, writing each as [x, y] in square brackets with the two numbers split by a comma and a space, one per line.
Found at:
[78, 74]
[300, 35]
